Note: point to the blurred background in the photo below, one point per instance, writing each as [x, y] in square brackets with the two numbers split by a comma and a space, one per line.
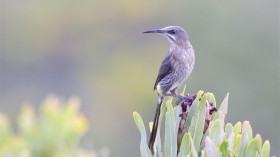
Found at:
[95, 50]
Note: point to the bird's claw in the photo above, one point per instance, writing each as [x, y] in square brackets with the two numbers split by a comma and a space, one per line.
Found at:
[178, 102]
[181, 98]
[184, 99]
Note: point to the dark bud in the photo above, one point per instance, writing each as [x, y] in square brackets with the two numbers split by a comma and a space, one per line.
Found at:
[213, 110]
[193, 96]
[184, 106]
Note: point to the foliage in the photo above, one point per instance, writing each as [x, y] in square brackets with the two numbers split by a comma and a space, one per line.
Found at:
[203, 132]
[54, 132]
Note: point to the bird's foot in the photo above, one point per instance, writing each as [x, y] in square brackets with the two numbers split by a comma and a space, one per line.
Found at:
[184, 99]
[181, 98]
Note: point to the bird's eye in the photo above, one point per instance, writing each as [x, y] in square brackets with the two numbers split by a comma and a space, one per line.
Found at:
[171, 32]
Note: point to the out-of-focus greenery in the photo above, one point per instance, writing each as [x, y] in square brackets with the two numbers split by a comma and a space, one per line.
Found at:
[96, 50]
[215, 139]
[55, 131]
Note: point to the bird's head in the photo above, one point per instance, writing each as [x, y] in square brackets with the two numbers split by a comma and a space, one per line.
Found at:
[174, 34]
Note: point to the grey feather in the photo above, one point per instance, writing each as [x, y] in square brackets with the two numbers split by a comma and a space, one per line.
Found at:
[164, 70]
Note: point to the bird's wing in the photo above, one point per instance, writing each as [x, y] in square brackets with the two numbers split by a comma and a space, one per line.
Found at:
[164, 70]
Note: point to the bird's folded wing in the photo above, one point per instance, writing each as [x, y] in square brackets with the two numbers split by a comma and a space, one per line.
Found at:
[164, 70]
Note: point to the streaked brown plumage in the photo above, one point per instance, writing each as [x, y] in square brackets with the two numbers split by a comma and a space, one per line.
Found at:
[174, 70]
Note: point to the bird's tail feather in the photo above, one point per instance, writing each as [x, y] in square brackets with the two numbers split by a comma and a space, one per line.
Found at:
[155, 125]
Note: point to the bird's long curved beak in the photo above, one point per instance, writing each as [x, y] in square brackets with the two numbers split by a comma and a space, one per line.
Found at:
[154, 31]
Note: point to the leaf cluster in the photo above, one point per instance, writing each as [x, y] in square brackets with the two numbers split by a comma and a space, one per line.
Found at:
[200, 138]
[55, 131]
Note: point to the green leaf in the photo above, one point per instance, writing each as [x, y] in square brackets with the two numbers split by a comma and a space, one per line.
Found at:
[185, 148]
[183, 92]
[210, 148]
[193, 109]
[265, 149]
[170, 145]
[247, 129]
[216, 132]
[237, 140]
[193, 150]
[237, 130]
[259, 142]
[237, 136]
[158, 137]
[212, 99]
[202, 154]
[230, 140]
[144, 149]
[197, 123]
[224, 105]
[177, 112]
[158, 144]
[251, 149]
[228, 129]
[221, 116]
[224, 148]
[243, 142]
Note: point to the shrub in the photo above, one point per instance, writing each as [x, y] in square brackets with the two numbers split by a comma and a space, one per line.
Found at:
[198, 129]
[55, 131]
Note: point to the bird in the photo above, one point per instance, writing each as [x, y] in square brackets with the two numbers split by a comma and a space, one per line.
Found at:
[175, 68]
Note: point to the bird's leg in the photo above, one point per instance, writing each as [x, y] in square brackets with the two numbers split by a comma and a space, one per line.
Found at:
[173, 93]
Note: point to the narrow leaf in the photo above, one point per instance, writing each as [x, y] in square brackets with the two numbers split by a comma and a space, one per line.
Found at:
[202, 153]
[243, 142]
[158, 137]
[177, 112]
[247, 129]
[224, 148]
[224, 105]
[183, 92]
[193, 109]
[266, 149]
[216, 132]
[228, 129]
[144, 149]
[230, 141]
[237, 130]
[212, 99]
[237, 140]
[197, 123]
[210, 148]
[185, 148]
[220, 115]
[158, 144]
[151, 126]
[170, 146]
[259, 142]
[251, 149]
[193, 150]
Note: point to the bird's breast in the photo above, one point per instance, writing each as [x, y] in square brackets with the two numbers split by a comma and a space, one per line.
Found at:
[183, 62]
[183, 58]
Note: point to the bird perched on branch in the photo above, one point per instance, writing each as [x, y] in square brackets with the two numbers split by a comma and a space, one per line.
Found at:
[174, 70]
